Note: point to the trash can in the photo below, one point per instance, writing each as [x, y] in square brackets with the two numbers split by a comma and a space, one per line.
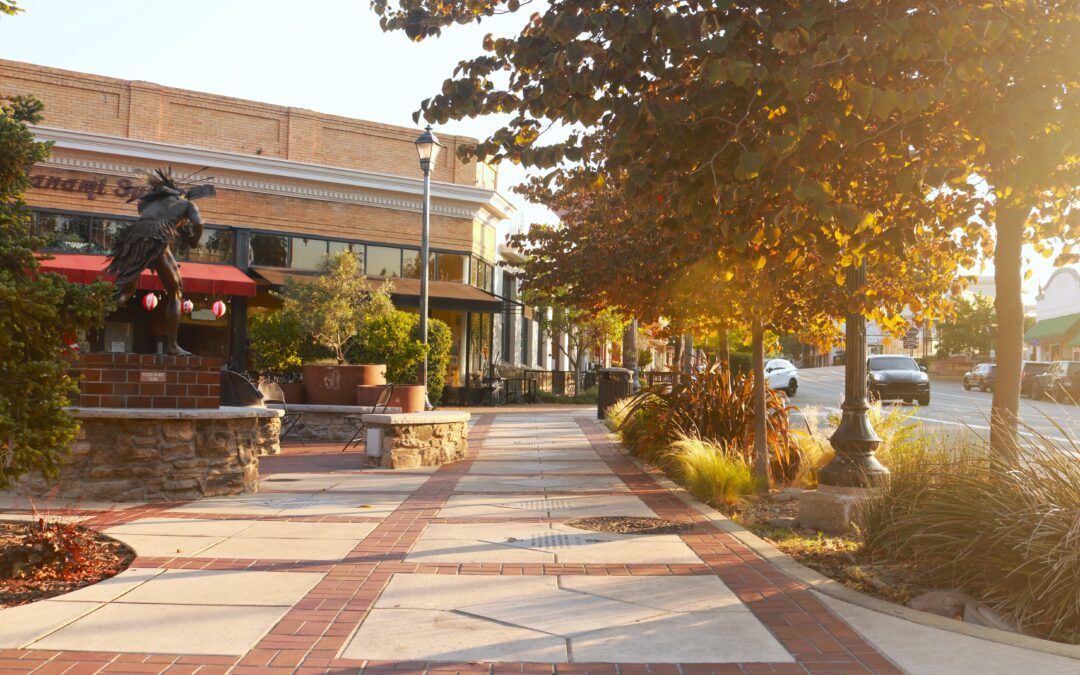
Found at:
[613, 384]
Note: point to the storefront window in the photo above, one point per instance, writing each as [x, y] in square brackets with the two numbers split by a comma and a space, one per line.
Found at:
[307, 253]
[410, 268]
[67, 234]
[479, 347]
[483, 275]
[453, 267]
[383, 261]
[93, 235]
[216, 246]
[269, 250]
[339, 246]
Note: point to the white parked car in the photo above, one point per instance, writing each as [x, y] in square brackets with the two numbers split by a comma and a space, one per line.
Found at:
[782, 375]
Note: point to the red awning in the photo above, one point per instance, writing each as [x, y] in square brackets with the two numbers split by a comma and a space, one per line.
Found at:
[198, 277]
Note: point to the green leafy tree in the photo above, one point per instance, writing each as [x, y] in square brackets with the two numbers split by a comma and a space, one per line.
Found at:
[37, 311]
[394, 339]
[333, 306]
[584, 329]
[278, 342]
[971, 328]
[644, 358]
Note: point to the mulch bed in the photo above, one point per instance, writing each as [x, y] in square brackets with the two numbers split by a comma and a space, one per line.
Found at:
[629, 525]
[39, 562]
[841, 558]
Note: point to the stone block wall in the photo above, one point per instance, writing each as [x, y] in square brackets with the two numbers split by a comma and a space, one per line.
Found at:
[419, 443]
[148, 381]
[163, 458]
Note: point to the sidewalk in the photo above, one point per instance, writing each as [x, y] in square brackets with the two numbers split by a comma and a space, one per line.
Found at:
[468, 568]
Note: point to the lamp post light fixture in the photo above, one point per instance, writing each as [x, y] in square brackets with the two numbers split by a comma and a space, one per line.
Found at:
[427, 147]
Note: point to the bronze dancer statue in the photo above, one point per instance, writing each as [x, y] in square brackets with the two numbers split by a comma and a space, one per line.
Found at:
[166, 211]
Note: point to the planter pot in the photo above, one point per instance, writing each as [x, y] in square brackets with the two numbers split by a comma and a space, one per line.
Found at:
[336, 385]
[293, 392]
[368, 394]
[408, 397]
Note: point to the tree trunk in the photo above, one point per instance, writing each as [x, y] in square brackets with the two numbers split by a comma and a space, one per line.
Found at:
[1009, 306]
[688, 353]
[723, 350]
[677, 362]
[761, 441]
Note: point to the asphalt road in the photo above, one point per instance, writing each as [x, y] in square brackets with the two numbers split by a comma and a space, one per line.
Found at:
[950, 406]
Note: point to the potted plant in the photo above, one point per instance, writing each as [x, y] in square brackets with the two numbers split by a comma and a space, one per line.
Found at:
[332, 308]
[394, 339]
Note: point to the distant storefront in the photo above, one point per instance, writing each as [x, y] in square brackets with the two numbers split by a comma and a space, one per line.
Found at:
[1056, 333]
[293, 185]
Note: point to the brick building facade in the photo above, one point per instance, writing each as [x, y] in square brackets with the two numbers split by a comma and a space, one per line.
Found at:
[292, 185]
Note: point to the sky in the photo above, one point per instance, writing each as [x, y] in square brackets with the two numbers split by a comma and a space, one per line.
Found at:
[324, 55]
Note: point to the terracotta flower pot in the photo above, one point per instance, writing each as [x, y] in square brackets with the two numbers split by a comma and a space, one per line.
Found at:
[408, 397]
[293, 392]
[336, 385]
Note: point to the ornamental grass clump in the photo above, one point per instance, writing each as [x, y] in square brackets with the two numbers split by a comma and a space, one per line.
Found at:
[1006, 533]
[717, 475]
[713, 405]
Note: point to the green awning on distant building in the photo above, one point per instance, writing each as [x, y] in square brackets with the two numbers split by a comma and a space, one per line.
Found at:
[1049, 329]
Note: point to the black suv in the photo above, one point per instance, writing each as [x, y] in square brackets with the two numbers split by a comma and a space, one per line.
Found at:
[1061, 381]
[893, 376]
[1029, 372]
[981, 376]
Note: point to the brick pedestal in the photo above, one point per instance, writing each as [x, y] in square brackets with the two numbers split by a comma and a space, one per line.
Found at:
[148, 381]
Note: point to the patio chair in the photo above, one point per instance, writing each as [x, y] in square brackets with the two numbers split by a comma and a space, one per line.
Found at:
[274, 397]
[358, 420]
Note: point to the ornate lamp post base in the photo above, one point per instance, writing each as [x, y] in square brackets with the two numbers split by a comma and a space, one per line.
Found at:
[846, 481]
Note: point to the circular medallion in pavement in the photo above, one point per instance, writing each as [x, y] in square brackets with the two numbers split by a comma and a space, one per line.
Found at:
[631, 525]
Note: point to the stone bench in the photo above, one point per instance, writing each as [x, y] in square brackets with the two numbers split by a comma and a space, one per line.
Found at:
[326, 423]
[400, 441]
[144, 454]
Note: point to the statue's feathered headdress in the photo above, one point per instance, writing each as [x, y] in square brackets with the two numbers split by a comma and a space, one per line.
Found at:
[162, 183]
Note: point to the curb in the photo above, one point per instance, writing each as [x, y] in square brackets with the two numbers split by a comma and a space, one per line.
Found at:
[834, 589]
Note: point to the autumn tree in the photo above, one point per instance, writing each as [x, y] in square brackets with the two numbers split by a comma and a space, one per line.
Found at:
[774, 148]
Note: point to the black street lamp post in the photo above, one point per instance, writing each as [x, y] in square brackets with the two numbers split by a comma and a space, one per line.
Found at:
[427, 147]
[844, 482]
[854, 465]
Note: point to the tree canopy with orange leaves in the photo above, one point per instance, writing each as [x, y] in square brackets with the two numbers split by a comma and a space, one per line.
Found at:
[791, 138]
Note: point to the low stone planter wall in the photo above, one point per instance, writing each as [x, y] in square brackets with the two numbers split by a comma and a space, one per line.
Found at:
[327, 423]
[401, 441]
[154, 455]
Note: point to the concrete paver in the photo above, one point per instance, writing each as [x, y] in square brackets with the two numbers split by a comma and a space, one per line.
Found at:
[430, 635]
[496, 506]
[26, 623]
[223, 587]
[166, 629]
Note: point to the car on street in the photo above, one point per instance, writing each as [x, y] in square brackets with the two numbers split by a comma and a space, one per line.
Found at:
[782, 375]
[981, 376]
[894, 376]
[1060, 382]
[1029, 372]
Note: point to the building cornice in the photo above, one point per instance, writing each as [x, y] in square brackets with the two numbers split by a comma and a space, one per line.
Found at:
[272, 167]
